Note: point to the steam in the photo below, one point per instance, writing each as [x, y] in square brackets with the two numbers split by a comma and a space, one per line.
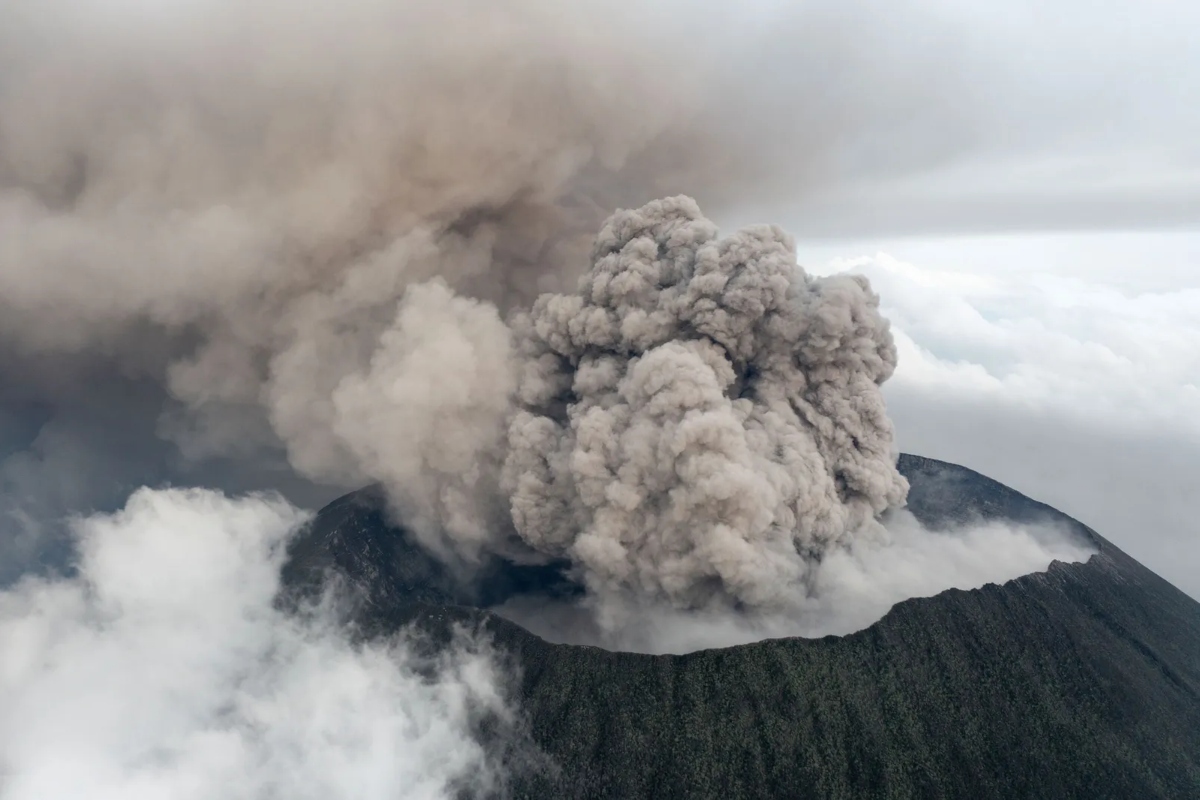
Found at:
[163, 670]
[853, 586]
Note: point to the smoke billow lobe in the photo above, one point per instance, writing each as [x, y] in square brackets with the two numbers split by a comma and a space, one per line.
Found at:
[702, 419]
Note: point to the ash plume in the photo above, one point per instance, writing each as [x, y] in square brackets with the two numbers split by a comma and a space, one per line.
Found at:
[702, 420]
[348, 236]
[232, 200]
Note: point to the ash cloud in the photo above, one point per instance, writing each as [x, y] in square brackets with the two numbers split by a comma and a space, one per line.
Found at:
[347, 235]
[231, 201]
[702, 419]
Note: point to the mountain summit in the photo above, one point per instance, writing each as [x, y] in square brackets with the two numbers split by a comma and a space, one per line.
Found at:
[1080, 681]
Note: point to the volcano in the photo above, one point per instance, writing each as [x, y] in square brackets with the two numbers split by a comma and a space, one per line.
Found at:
[1079, 681]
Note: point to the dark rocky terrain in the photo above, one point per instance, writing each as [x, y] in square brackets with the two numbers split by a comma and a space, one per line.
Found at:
[1082, 681]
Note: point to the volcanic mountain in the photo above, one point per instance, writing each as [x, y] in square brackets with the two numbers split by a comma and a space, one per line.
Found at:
[1080, 681]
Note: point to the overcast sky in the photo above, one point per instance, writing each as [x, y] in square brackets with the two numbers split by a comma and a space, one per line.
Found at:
[973, 117]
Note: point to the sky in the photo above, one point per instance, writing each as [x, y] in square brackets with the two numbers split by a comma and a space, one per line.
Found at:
[1018, 117]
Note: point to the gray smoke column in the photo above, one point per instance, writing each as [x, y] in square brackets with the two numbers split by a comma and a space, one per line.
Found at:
[701, 420]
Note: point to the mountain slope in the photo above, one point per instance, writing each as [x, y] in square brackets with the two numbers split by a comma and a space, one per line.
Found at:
[1082, 681]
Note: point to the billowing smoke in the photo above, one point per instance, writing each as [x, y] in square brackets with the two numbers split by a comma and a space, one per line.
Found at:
[349, 235]
[226, 203]
[702, 419]
[164, 669]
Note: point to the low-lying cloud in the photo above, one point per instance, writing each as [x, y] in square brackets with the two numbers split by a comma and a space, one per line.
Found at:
[1064, 366]
[165, 669]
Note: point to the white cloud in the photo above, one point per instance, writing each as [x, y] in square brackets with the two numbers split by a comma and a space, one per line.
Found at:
[163, 670]
[1047, 341]
[1072, 382]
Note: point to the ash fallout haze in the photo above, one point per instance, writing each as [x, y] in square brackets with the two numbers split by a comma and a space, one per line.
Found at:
[502, 262]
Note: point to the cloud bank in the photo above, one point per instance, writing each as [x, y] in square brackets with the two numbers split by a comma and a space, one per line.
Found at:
[163, 669]
[1066, 368]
